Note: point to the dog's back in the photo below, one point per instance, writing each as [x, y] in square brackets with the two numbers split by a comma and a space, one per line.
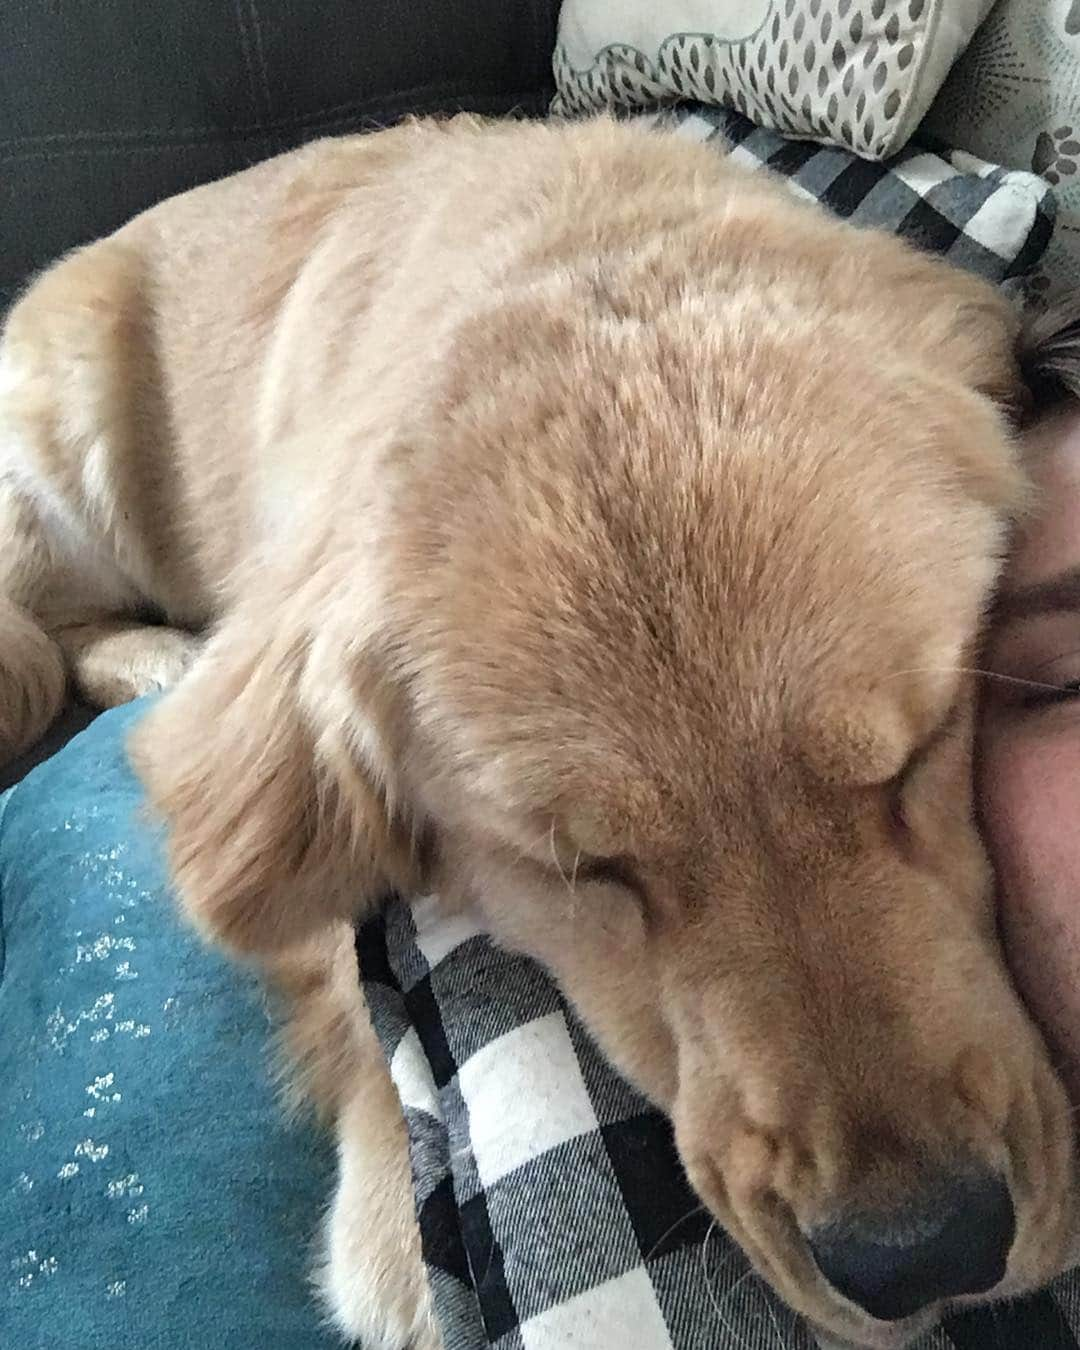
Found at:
[175, 398]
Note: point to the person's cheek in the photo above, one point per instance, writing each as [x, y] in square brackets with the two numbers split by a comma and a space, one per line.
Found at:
[1030, 791]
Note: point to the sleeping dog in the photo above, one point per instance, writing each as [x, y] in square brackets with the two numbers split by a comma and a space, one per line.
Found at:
[585, 526]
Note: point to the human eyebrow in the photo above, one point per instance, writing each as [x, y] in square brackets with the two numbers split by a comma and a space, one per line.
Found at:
[1056, 595]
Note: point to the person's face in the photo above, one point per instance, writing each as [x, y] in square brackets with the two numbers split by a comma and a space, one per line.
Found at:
[1030, 745]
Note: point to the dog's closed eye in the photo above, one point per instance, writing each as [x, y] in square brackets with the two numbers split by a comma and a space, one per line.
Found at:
[897, 788]
[615, 871]
[897, 815]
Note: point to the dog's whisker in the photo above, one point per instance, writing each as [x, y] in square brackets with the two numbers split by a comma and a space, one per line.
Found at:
[975, 670]
[772, 1317]
[721, 1318]
[728, 1326]
[569, 882]
[527, 852]
[555, 853]
[573, 887]
[732, 1253]
[690, 1214]
[729, 1297]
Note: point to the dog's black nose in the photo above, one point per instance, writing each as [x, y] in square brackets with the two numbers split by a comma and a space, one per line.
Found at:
[955, 1243]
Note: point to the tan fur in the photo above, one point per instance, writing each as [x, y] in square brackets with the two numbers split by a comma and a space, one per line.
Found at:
[371, 1275]
[562, 494]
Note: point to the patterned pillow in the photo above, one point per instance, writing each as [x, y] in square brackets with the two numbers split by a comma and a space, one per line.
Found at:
[991, 221]
[855, 73]
[1014, 97]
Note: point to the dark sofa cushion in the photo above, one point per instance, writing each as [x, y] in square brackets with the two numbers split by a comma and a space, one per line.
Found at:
[110, 105]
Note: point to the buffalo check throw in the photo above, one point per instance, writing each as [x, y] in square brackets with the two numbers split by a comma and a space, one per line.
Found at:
[991, 221]
[553, 1210]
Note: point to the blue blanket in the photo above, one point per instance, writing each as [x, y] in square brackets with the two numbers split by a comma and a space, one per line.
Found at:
[151, 1194]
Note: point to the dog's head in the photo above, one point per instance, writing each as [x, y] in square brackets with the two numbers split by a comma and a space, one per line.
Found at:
[662, 654]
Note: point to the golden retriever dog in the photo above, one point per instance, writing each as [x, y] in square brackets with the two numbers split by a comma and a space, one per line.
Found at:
[590, 529]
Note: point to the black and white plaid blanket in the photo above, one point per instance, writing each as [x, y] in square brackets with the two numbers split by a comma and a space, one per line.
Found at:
[992, 221]
[554, 1211]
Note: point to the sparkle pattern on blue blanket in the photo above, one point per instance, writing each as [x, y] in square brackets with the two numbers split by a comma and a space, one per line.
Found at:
[151, 1193]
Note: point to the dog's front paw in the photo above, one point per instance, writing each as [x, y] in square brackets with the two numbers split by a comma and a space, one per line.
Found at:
[114, 663]
[372, 1279]
[387, 1308]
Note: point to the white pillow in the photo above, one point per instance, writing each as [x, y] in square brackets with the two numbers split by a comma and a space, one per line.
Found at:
[855, 73]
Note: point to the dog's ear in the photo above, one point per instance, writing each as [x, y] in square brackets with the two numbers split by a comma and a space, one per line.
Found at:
[956, 323]
[279, 820]
[1025, 359]
[980, 343]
